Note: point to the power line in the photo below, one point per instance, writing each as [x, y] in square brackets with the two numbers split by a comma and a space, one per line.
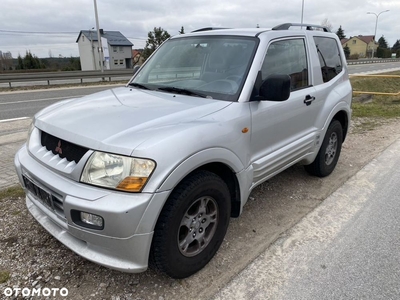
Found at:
[22, 32]
[37, 32]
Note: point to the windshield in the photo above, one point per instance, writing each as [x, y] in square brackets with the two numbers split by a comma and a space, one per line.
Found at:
[207, 66]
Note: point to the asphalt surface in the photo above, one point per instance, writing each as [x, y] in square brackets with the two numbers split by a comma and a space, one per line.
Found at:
[27, 103]
[347, 248]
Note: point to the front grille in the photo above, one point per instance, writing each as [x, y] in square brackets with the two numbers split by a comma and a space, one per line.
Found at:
[63, 148]
[46, 197]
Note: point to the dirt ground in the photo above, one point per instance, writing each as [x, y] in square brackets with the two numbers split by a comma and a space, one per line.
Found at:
[33, 258]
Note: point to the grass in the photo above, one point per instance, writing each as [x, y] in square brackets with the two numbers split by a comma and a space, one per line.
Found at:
[378, 106]
[4, 276]
[14, 191]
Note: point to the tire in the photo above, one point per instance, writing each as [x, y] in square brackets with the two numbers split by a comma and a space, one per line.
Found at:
[191, 226]
[329, 153]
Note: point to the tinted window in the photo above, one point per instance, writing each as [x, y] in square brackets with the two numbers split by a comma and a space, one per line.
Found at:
[287, 57]
[329, 57]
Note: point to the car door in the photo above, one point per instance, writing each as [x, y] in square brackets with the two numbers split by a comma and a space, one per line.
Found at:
[283, 132]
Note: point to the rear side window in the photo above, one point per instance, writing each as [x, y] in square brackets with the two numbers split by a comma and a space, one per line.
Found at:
[329, 57]
[287, 57]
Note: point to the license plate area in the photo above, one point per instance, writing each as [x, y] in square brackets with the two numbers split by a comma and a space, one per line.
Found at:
[45, 197]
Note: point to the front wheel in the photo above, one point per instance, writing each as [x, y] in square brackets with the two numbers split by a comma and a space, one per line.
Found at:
[191, 226]
[329, 153]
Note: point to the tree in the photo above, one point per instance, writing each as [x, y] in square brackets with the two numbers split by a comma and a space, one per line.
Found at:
[6, 62]
[396, 46]
[383, 52]
[182, 31]
[155, 39]
[325, 22]
[20, 65]
[382, 42]
[346, 51]
[340, 33]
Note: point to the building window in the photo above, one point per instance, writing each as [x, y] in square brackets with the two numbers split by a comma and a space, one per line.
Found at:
[354, 41]
[83, 38]
[121, 61]
[115, 61]
[121, 49]
[115, 49]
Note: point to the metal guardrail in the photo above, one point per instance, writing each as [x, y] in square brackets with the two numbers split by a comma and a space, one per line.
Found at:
[372, 61]
[65, 75]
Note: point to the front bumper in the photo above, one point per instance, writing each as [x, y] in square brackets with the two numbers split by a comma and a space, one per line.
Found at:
[124, 242]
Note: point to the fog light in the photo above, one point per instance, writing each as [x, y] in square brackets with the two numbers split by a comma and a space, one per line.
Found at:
[90, 219]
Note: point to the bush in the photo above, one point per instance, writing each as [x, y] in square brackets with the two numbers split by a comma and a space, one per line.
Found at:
[383, 53]
[354, 56]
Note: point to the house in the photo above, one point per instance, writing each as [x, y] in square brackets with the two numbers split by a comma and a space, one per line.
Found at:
[362, 45]
[137, 57]
[117, 50]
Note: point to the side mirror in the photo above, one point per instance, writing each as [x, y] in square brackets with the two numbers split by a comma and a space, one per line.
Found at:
[275, 88]
[135, 69]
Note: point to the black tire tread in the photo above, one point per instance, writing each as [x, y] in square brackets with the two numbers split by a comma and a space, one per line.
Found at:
[158, 257]
[316, 168]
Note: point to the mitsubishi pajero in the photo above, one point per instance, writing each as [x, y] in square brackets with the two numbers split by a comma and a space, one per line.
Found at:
[153, 171]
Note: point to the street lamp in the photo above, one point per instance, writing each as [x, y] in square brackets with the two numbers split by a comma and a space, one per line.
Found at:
[376, 24]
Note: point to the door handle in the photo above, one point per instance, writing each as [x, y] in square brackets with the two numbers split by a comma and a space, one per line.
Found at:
[308, 100]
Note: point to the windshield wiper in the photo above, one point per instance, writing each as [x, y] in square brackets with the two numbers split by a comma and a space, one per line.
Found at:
[138, 85]
[182, 91]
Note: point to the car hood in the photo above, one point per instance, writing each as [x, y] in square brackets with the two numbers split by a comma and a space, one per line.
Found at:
[120, 119]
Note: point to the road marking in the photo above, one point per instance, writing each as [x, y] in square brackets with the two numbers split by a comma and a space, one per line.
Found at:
[46, 99]
[15, 119]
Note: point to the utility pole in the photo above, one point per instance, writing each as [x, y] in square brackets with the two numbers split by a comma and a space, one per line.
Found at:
[302, 13]
[376, 25]
[101, 56]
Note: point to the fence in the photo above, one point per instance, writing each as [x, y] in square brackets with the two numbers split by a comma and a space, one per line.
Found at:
[377, 93]
[66, 75]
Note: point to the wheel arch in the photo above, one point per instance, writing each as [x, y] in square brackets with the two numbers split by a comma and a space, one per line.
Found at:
[343, 118]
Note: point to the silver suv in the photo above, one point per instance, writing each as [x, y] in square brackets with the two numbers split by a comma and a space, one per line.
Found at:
[153, 171]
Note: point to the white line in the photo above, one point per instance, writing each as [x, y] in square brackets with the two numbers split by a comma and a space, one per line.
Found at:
[46, 99]
[15, 119]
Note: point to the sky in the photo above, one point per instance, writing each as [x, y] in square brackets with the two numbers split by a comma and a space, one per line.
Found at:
[51, 27]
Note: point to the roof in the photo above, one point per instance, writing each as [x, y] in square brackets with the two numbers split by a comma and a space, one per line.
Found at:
[254, 32]
[366, 38]
[114, 38]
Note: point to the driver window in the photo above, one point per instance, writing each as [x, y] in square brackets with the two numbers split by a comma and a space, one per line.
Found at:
[287, 57]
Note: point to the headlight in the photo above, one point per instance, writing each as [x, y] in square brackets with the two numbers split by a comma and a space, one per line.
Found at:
[119, 172]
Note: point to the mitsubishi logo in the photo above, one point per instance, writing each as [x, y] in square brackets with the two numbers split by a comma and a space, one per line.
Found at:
[58, 148]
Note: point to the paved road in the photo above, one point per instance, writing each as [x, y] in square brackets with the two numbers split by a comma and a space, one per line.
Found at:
[347, 248]
[374, 68]
[27, 103]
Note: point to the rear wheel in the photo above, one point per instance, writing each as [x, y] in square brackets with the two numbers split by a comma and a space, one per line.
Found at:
[329, 153]
[191, 226]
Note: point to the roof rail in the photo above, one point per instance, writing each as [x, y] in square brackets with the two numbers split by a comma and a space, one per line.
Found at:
[286, 26]
[209, 28]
